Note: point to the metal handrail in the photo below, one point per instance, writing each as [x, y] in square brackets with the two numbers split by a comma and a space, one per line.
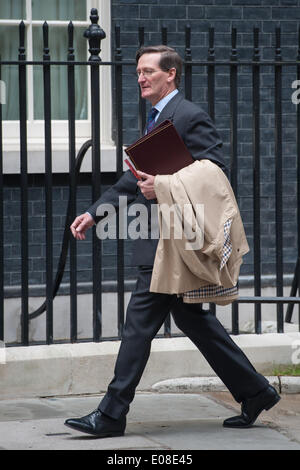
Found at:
[66, 236]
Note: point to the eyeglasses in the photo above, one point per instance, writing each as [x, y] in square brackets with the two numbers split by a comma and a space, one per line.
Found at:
[147, 73]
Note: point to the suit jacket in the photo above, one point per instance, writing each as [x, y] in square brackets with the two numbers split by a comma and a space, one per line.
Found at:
[202, 140]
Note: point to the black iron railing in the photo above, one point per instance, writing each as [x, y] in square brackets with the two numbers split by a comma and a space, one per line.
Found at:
[95, 34]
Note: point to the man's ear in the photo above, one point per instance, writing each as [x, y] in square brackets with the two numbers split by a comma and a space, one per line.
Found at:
[172, 74]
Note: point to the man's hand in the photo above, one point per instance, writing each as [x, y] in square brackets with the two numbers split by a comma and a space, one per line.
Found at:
[146, 185]
[80, 225]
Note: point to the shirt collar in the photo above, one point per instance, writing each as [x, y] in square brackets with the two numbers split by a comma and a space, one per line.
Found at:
[164, 101]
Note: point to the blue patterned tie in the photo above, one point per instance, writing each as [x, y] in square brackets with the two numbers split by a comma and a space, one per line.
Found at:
[151, 119]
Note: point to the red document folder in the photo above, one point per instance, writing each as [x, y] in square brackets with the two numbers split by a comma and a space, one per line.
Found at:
[161, 152]
[132, 169]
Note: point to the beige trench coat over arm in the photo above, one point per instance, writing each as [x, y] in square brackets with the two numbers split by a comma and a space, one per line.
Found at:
[198, 201]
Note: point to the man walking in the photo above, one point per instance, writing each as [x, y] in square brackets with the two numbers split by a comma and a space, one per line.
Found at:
[159, 70]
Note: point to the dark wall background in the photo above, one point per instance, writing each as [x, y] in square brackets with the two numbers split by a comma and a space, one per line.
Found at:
[37, 234]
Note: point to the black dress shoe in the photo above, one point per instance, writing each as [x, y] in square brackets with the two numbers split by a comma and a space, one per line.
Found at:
[252, 407]
[98, 425]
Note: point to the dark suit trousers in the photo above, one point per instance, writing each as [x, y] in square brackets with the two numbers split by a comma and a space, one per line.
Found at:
[145, 315]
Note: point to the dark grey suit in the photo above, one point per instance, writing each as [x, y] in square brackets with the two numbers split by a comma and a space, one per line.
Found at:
[147, 311]
[201, 138]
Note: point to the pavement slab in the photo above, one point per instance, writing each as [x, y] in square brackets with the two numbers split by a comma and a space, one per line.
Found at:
[284, 417]
[156, 421]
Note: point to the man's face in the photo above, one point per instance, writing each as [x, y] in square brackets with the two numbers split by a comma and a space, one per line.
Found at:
[154, 82]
